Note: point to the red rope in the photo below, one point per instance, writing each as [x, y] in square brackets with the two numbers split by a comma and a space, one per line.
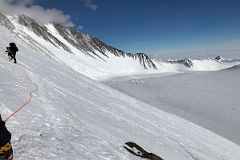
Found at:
[25, 104]
[21, 107]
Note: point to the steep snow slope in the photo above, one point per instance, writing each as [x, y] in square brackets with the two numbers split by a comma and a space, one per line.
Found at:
[85, 54]
[74, 117]
[210, 99]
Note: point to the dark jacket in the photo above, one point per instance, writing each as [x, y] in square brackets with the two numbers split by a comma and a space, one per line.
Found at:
[13, 49]
[5, 135]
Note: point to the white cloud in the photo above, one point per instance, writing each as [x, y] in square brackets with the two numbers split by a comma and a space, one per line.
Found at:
[93, 7]
[37, 12]
[80, 28]
[89, 4]
[20, 2]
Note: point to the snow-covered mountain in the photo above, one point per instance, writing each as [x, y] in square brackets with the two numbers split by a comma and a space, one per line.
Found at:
[186, 62]
[74, 117]
[234, 67]
[90, 56]
[75, 45]
[219, 58]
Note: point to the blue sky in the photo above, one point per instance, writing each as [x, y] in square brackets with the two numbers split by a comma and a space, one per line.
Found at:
[156, 26]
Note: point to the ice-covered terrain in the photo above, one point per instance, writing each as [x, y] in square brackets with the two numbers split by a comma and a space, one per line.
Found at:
[74, 117]
[210, 99]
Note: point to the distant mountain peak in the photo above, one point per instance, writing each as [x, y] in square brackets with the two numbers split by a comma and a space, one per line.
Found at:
[234, 67]
[219, 58]
[144, 60]
[186, 62]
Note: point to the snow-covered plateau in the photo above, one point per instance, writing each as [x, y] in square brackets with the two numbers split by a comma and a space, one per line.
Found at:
[209, 99]
[73, 116]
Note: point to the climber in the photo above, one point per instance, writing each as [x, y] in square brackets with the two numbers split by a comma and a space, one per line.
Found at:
[12, 50]
[6, 152]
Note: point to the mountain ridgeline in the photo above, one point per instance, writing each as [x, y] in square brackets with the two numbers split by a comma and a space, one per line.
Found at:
[89, 45]
[41, 31]
[90, 56]
[4, 21]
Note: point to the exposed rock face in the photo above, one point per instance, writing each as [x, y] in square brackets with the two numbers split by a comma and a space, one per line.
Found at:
[87, 44]
[144, 60]
[4, 21]
[92, 44]
[234, 67]
[41, 31]
[218, 58]
[187, 62]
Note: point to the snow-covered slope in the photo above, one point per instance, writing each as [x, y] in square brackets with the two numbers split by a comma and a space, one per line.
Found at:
[196, 65]
[73, 117]
[85, 54]
[89, 56]
[209, 99]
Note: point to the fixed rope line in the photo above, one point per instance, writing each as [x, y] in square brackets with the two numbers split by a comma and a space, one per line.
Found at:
[26, 103]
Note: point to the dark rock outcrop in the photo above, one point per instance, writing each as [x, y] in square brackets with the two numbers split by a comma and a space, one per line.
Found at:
[144, 60]
[90, 44]
[235, 67]
[41, 31]
[218, 58]
[4, 21]
[139, 151]
[87, 44]
[186, 62]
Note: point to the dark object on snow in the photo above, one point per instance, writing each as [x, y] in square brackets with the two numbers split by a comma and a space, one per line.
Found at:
[218, 58]
[6, 152]
[12, 50]
[139, 151]
[235, 67]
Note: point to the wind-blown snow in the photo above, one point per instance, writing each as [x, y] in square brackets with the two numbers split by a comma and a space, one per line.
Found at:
[74, 117]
